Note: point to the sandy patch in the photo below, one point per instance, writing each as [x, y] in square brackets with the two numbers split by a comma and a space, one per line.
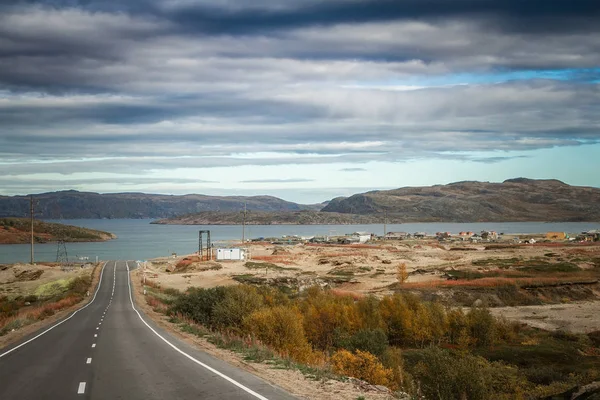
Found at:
[581, 317]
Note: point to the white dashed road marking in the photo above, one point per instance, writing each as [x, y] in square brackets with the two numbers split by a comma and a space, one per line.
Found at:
[94, 345]
[88, 361]
[81, 389]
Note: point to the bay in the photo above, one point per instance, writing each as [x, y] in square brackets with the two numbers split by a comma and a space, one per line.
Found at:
[137, 239]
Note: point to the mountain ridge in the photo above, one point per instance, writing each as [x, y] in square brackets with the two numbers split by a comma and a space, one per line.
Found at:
[72, 204]
[518, 199]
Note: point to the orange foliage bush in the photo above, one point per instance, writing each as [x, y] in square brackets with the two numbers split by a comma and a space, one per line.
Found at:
[326, 316]
[281, 328]
[362, 365]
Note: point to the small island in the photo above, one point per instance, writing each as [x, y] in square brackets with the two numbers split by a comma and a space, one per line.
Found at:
[18, 231]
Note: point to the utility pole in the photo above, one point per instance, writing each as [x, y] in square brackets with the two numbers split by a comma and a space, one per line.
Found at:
[244, 226]
[31, 214]
[385, 224]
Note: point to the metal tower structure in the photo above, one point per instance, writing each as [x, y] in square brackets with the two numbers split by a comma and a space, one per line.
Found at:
[201, 247]
[61, 254]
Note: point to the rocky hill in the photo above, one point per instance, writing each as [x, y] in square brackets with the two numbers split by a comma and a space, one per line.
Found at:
[18, 230]
[512, 200]
[272, 218]
[73, 204]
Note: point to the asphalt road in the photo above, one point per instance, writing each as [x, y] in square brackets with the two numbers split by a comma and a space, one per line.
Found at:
[108, 350]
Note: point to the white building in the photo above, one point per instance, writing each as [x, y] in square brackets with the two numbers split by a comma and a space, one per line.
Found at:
[231, 254]
[363, 237]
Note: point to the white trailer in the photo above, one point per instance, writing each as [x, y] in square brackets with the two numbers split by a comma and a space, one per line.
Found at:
[231, 254]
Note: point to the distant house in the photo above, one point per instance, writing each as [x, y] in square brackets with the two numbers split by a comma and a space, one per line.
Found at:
[465, 234]
[349, 239]
[489, 235]
[557, 236]
[443, 235]
[319, 239]
[363, 237]
[419, 235]
[590, 236]
[396, 235]
[231, 254]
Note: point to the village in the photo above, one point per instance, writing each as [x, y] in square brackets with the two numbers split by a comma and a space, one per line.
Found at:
[240, 253]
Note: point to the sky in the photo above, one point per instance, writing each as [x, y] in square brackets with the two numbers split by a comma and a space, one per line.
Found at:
[305, 100]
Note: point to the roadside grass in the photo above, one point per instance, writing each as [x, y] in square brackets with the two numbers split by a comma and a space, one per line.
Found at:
[281, 259]
[249, 279]
[266, 266]
[52, 298]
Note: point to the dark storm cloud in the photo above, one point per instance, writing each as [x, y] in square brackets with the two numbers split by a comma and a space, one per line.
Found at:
[140, 86]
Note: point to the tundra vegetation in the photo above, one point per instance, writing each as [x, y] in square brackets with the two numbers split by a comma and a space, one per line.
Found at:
[418, 347]
[47, 300]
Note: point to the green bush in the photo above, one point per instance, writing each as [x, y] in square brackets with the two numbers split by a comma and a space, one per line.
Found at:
[32, 298]
[456, 375]
[172, 292]
[198, 304]
[80, 285]
[237, 303]
[482, 325]
[374, 341]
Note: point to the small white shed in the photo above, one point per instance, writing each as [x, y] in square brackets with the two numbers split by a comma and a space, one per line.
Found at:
[231, 254]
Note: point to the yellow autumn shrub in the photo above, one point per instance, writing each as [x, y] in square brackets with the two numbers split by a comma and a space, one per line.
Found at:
[362, 365]
[281, 328]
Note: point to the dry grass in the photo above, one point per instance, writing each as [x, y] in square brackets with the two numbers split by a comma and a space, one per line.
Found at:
[346, 254]
[31, 314]
[489, 282]
[281, 259]
[156, 304]
[347, 293]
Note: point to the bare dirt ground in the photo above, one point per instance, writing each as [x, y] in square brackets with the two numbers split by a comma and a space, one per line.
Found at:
[372, 269]
[51, 274]
[291, 380]
[580, 317]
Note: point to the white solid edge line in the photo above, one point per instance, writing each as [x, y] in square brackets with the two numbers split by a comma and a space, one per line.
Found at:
[211, 369]
[61, 322]
[81, 389]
